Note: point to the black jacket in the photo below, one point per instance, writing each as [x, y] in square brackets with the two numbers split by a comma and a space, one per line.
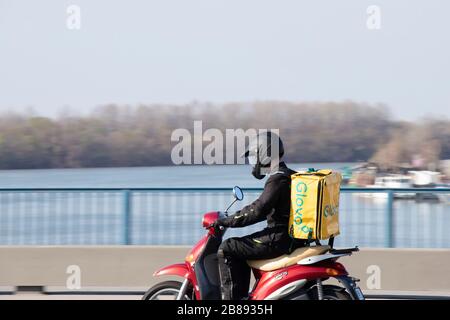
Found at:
[272, 205]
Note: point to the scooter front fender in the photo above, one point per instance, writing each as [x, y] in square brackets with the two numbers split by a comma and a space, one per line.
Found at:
[179, 269]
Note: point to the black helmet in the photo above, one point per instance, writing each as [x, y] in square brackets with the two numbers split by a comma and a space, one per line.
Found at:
[260, 155]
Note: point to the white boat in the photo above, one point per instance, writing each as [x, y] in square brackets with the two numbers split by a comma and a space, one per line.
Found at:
[425, 178]
[391, 181]
[414, 179]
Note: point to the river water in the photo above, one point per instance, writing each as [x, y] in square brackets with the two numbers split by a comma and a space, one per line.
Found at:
[143, 177]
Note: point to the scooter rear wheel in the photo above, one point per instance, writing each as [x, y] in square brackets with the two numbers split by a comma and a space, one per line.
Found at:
[167, 290]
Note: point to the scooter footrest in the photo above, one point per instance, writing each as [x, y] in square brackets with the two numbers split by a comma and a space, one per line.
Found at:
[344, 251]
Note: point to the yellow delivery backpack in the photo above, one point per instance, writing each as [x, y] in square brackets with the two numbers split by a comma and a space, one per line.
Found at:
[314, 204]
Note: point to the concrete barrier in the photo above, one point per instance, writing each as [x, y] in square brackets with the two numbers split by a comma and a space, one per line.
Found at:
[133, 266]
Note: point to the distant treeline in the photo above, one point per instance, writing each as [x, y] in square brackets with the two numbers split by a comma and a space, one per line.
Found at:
[113, 136]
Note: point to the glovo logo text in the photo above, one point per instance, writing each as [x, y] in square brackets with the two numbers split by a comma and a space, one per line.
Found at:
[330, 210]
[301, 193]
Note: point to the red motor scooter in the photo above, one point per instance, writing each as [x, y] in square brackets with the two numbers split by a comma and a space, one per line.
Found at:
[297, 276]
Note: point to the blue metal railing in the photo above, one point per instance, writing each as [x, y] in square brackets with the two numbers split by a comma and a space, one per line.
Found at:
[376, 217]
[390, 195]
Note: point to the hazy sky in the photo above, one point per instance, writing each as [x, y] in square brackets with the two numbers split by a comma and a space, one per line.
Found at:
[168, 51]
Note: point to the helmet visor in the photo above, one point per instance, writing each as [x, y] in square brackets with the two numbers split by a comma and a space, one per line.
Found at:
[252, 159]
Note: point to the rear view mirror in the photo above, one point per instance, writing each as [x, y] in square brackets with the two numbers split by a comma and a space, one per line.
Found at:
[238, 194]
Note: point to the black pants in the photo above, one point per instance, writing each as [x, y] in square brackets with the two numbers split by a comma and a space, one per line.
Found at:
[234, 252]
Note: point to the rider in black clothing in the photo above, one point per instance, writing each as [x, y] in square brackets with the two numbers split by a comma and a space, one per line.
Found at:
[273, 205]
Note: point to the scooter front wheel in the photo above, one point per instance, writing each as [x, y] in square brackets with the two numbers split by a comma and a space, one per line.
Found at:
[167, 290]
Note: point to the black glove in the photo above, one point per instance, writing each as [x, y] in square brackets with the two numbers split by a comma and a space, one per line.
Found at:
[217, 225]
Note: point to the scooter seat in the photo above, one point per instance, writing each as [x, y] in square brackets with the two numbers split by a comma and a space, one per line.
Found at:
[287, 260]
